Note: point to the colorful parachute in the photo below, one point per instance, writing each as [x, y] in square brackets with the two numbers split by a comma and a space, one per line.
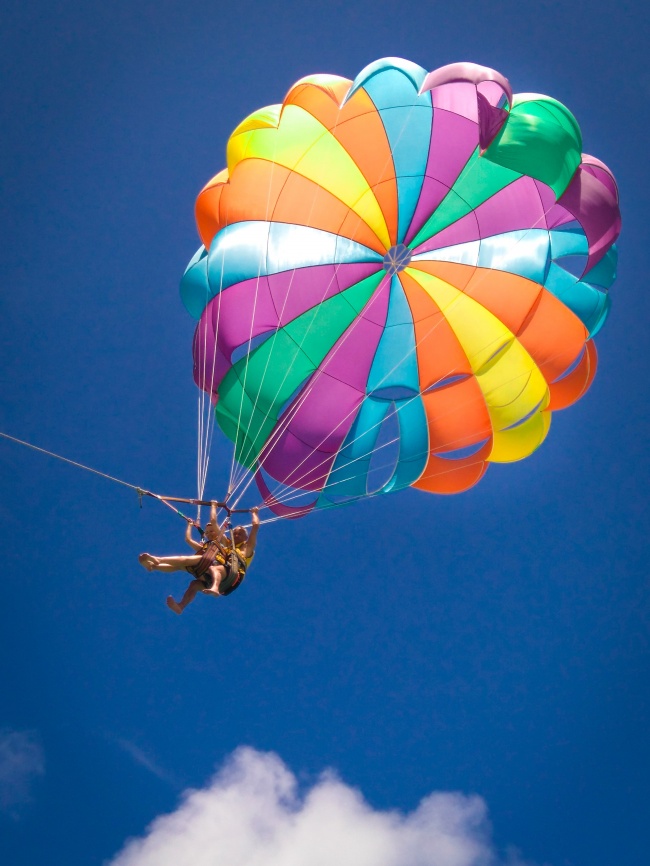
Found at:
[399, 282]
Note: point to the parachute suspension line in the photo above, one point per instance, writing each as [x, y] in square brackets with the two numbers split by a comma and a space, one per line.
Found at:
[211, 416]
[233, 483]
[204, 422]
[202, 455]
[295, 494]
[317, 187]
[199, 421]
[205, 398]
[201, 406]
[247, 478]
[210, 412]
[270, 443]
[247, 455]
[233, 470]
[199, 449]
[360, 498]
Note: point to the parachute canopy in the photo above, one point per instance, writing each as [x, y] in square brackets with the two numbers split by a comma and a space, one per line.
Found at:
[399, 281]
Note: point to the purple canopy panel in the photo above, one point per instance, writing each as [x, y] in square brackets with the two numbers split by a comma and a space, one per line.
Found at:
[590, 200]
[459, 98]
[453, 140]
[547, 197]
[351, 358]
[488, 81]
[325, 415]
[237, 315]
[289, 511]
[558, 216]
[490, 119]
[516, 206]
[242, 311]
[494, 91]
[476, 92]
[432, 193]
[594, 166]
[296, 291]
[295, 464]
[210, 364]
[377, 307]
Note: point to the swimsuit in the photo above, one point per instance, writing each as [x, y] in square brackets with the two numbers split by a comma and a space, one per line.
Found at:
[236, 564]
[233, 561]
[202, 568]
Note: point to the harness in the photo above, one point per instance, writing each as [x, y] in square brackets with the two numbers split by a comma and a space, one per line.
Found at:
[235, 573]
[233, 562]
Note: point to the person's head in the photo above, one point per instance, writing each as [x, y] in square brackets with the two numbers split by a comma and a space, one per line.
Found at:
[211, 531]
[240, 535]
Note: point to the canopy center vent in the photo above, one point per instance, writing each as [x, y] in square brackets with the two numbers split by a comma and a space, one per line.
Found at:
[397, 258]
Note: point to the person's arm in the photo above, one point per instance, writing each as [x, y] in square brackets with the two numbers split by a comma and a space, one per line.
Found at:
[221, 533]
[188, 536]
[252, 538]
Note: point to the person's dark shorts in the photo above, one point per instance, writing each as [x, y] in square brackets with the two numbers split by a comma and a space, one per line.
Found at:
[235, 573]
[207, 580]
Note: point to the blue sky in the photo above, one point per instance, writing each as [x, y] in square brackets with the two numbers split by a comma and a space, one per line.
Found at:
[509, 673]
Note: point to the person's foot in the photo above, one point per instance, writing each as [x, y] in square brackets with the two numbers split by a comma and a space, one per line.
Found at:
[174, 605]
[147, 561]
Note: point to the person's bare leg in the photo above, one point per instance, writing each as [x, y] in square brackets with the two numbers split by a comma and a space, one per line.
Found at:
[167, 563]
[146, 560]
[218, 573]
[189, 595]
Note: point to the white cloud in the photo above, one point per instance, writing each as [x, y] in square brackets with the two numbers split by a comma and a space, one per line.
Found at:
[21, 761]
[252, 814]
